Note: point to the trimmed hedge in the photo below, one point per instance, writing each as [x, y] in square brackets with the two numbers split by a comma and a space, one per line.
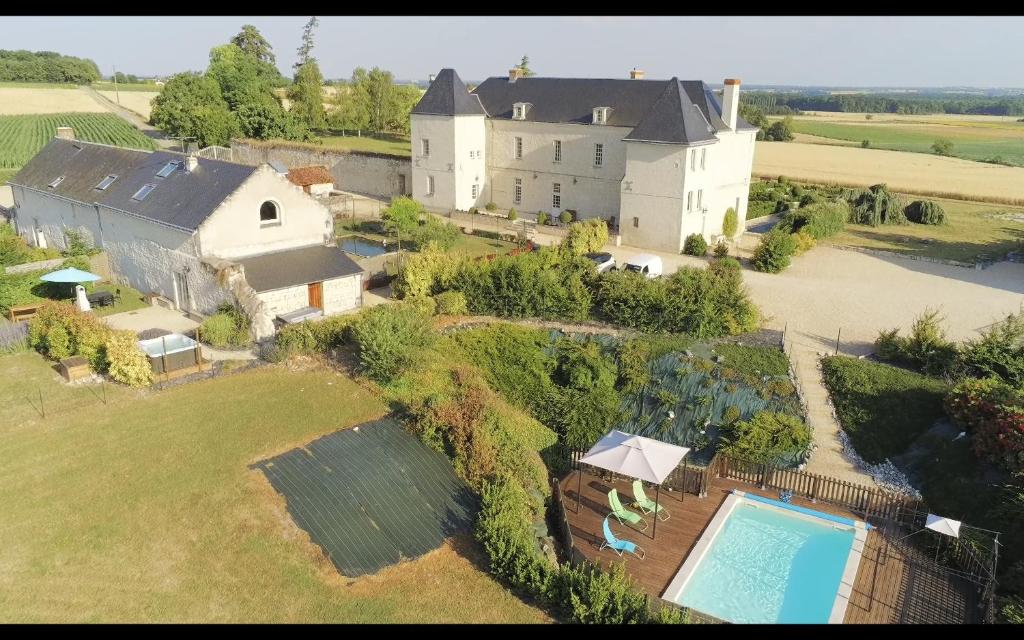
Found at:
[695, 245]
[925, 212]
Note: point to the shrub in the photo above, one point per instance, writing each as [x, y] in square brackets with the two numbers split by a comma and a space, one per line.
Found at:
[78, 244]
[803, 241]
[227, 328]
[473, 211]
[598, 597]
[767, 437]
[565, 217]
[451, 303]
[585, 237]
[425, 305]
[998, 352]
[925, 212]
[542, 217]
[877, 205]
[512, 215]
[128, 364]
[504, 531]
[865, 144]
[820, 219]
[721, 250]
[402, 215]
[310, 338]
[490, 206]
[432, 230]
[942, 147]
[389, 338]
[773, 253]
[730, 223]
[730, 263]
[58, 343]
[695, 245]
[925, 349]
[993, 413]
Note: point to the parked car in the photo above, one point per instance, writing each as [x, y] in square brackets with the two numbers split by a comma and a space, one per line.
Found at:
[602, 260]
[645, 263]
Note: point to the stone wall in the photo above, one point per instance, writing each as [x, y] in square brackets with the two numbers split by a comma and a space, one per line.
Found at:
[373, 174]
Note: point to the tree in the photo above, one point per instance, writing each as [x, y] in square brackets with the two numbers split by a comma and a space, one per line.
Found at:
[252, 42]
[755, 116]
[263, 121]
[403, 215]
[373, 92]
[780, 131]
[306, 94]
[240, 77]
[943, 147]
[191, 105]
[524, 66]
[307, 42]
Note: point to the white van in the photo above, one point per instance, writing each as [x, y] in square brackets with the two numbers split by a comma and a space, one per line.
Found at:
[645, 263]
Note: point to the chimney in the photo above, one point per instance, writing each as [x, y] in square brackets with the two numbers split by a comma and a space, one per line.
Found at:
[431, 77]
[636, 74]
[731, 102]
[66, 133]
[514, 74]
[191, 162]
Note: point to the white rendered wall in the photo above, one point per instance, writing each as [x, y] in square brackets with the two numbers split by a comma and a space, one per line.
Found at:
[592, 191]
[449, 163]
[233, 230]
[652, 192]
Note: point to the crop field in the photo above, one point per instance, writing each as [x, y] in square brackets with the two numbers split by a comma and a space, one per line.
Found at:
[147, 87]
[924, 174]
[25, 99]
[21, 137]
[971, 140]
[137, 101]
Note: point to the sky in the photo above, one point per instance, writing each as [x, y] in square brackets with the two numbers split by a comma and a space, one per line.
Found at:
[824, 51]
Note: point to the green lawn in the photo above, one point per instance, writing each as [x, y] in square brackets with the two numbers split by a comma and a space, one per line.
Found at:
[390, 144]
[472, 245]
[130, 299]
[969, 142]
[882, 408]
[973, 232]
[144, 509]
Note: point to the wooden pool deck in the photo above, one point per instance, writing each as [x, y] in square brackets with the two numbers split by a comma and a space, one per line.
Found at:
[894, 583]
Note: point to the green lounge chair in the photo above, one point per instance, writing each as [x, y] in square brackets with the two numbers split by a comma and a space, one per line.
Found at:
[645, 504]
[622, 514]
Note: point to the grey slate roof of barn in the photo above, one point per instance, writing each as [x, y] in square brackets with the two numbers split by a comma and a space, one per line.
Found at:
[448, 96]
[296, 267]
[671, 111]
[182, 200]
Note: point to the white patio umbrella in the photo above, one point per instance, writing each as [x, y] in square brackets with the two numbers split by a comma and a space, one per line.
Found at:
[945, 526]
[635, 456]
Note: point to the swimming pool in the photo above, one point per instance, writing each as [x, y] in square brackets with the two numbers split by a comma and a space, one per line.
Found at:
[762, 561]
[364, 247]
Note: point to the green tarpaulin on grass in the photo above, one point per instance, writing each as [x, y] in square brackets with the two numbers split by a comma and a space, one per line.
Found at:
[372, 495]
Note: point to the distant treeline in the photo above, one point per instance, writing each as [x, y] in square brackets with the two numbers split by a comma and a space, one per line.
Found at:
[46, 66]
[785, 103]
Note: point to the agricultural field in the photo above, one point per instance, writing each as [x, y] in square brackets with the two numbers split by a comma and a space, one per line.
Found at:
[146, 87]
[21, 137]
[138, 101]
[134, 506]
[924, 174]
[22, 98]
[973, 231]
[971, 140]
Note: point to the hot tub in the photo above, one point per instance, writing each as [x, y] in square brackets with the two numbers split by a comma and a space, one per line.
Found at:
[176, 350]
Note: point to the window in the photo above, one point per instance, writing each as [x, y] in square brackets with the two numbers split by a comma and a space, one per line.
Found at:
[700, 198]
[270, 214]
[56, 182]
[141, 194]
[517, 191]
[558, 150]
[598, 155]
[430, 185]
[636, 222]
[167, 170]
[425, 148]
[476, 191]
[519, 148]
[689, 201]
[556, 197]
[600, 115]
[106, 182]
[519, 111]
[693, 160]
[472, 154]
[703, 158]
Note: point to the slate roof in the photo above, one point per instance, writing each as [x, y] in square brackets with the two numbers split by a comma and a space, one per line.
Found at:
[448, 96]
[182, 200]
[672, 111]
[296, 267]
[305, 176]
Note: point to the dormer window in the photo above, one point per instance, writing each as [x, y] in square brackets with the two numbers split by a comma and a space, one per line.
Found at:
[601, 115]
[56, 181]
[519, 110]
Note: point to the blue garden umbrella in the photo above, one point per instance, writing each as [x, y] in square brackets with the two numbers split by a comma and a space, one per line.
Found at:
[71, 275]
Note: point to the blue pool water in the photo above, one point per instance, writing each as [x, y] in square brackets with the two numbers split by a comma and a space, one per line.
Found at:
[364, 247]
[767, 566]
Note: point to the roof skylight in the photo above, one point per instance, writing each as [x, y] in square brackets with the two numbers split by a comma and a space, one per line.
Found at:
[141, 194]
[56, 181]
[106, 182]
[167, 170]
